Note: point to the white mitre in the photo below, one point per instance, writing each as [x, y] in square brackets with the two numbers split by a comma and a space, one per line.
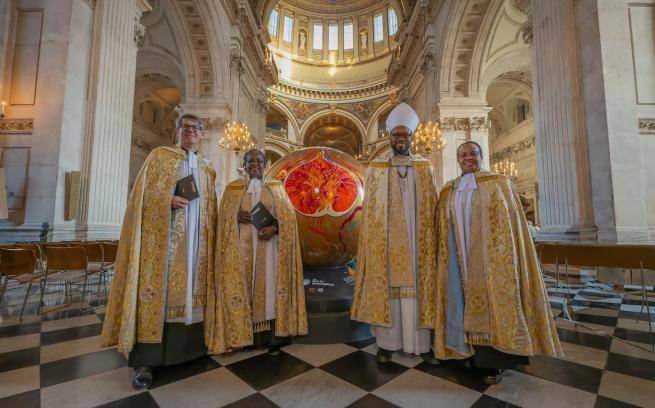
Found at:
[402, 115]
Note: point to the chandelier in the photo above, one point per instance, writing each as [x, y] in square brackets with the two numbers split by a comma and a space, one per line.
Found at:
[236, 137]
[428, 136]
[506, 168]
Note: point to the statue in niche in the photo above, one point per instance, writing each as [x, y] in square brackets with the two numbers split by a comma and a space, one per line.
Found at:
[303, 41]
[363, 39]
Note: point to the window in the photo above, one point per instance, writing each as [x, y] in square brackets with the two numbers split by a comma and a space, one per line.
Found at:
[393, 21]
[272, 23]
[333, 37]
[378, 34]
[348, 36]
[318, 36]
[288, 29]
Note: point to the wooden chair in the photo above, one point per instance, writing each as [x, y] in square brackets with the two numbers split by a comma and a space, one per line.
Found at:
[628, 257]
[67, 264]
[20, 265]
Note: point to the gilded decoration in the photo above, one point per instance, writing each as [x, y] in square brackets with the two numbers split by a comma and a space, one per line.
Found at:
[474, 124]
[515, 316]
[233, 310]
[371, 299]
[138, 302]
[363, 110]
[647, 126]
[516, 148]
[16, 125]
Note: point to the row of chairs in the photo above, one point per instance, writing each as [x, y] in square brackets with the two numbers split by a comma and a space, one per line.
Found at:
[629, 258]
[60, 262]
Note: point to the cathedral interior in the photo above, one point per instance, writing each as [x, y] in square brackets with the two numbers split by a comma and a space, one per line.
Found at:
[560, 95]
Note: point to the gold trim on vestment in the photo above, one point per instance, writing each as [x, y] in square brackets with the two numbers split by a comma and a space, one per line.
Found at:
[402, 293]
[517, 318]
[371, 298]
[138, 298]
[234, 309]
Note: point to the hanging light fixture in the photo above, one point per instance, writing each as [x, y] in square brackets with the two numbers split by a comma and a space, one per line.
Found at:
[236, 136]
[506, 168]
[428, 135]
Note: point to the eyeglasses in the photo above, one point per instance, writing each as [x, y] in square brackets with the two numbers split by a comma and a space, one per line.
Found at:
[255, 161]
[406, 136]
[194, 128]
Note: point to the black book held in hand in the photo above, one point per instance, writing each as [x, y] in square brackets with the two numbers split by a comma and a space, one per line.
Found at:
[261, 217]
[186, 188]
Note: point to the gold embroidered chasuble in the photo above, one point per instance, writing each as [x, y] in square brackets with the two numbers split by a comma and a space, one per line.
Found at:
[150, 276]
[376, 260]
[255, 269]
[506, 305]
[234, 267]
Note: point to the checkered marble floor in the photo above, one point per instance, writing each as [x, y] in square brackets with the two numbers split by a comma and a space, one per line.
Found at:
[56, 361]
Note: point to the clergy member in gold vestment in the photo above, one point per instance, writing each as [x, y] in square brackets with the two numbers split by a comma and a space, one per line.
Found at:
[492, 305]
[396, 260]
[260, 274]
[162, 296]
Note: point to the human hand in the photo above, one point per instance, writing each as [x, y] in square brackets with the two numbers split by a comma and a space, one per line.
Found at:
[244, 217]
[178, 202]
[267, 233]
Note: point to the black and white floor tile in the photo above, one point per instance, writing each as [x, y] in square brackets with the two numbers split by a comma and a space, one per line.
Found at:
[56, 360]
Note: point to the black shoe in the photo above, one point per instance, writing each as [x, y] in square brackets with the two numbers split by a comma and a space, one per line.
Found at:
[383, 356]
[142, 378]
[274, 350]
[492, 375]
[429, 358]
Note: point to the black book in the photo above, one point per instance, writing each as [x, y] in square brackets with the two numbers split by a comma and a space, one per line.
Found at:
[186, 188]
[261, 217]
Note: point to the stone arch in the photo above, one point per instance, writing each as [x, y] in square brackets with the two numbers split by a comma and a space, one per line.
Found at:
[325, 112]
[384, 108]
[336, 130]
[200, 47]
[292, 119]
[459, 45]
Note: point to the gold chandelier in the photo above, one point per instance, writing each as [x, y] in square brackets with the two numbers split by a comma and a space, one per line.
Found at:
[236, 137]
[428, 136]
[506, 168]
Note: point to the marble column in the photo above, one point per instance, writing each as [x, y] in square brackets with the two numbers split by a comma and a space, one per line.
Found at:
[566, 209]
[106, 157]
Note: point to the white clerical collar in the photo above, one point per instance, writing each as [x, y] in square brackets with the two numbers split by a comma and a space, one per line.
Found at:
[467, 182]
[254, 185]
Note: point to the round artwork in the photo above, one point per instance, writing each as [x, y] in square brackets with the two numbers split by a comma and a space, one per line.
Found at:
[326, 187]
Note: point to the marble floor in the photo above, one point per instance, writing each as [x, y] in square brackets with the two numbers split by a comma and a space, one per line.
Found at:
[56, 360]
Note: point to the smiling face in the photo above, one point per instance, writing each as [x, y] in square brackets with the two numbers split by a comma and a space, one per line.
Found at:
[190, 134]
[469, 158]
[254, 163]
[400, 139]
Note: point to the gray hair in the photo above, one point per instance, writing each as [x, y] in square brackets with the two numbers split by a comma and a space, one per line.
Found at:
[178, 124]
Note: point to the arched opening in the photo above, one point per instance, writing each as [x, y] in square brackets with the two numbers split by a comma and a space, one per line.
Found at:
[154, 118]
[512, 134]
[335, 131]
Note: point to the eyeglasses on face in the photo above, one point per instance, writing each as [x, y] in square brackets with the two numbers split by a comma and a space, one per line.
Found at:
[193, 128]
[253, 161]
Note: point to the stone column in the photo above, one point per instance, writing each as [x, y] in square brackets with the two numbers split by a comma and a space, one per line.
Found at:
[106, 157]
[566, 210]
